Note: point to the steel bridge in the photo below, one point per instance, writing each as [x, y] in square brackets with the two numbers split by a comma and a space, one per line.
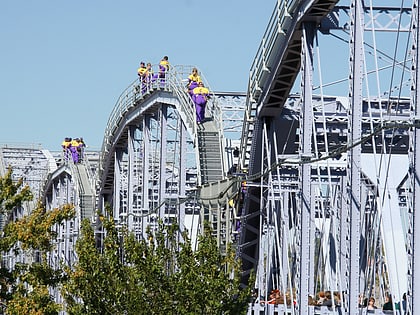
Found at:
[316, 188]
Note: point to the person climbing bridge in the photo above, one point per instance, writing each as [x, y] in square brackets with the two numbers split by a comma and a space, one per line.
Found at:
[142, 73]
[193, 80]
[81, 149]
[200, 97]
[73, 149]
[66, 148]
[150, 77]
[163, 69]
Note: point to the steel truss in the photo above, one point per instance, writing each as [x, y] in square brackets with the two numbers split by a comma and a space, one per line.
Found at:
[327, 176]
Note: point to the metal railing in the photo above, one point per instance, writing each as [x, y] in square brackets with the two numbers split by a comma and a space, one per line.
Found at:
[264, 61]
[263, 65]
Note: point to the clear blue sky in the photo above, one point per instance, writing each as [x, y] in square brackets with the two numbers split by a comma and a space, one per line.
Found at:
[64, 63]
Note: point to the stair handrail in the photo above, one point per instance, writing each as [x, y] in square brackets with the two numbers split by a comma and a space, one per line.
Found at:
[261, 68]
[179, 87]
[80, 189]
[178, 81]
[85, 161]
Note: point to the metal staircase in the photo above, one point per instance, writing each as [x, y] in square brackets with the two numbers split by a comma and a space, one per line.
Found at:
[215, 208]
[85, 188]
[211, 162]
[208, 137]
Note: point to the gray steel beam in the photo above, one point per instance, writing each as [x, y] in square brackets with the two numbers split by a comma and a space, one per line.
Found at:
[182, 173]
[304, 262]
[147, 186]
[354, 157]
[117, 184]
[413, 306]
[162, 154]
[130, 174]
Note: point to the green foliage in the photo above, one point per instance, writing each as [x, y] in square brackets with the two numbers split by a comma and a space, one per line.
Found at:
[157, 275]
[34, 231]
[25, 288]
[12, 195]
[36, 301]
[100, 279]
[122, 275]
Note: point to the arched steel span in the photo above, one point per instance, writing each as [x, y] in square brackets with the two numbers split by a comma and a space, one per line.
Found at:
[320, 200]
[154, 155]
[68, 183]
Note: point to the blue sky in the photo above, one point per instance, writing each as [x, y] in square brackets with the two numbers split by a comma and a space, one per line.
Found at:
[64, 63]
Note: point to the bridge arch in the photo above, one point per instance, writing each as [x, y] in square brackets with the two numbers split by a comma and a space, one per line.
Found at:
[154, 154]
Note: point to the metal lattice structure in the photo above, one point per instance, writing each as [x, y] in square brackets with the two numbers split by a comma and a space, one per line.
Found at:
[316, 188]
[322, 205]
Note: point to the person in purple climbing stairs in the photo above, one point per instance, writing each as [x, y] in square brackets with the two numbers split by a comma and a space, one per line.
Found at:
[142, 74]
[193, 80]
[163, 69]
[66, 144]
[73, 149]
[150, 77]
[81, 149]
[200, 97]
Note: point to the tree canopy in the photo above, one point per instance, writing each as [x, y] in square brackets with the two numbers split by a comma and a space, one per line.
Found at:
[25, 283]
[115, 273]
[157, 275]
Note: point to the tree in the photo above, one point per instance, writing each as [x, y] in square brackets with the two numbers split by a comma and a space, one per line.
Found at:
[100, 282]
[208, 282]
[25, 286]
[12, 195]
[157, 275]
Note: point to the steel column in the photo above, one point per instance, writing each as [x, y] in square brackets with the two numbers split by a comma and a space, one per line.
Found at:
[413, 305]
[162, 157]
[117, 184]
[305, 216]
[146, 204]
[354, 157]
[182, 173]
[130, 179]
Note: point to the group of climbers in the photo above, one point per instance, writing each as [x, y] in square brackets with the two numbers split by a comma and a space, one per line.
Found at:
[74, 148]
[196, 89]
[146, 75]
[199, 94]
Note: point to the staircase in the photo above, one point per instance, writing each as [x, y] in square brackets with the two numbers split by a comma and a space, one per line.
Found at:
[86, 195]
[215, 188]
[211, 163]
[210, 157]
[208, 136]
